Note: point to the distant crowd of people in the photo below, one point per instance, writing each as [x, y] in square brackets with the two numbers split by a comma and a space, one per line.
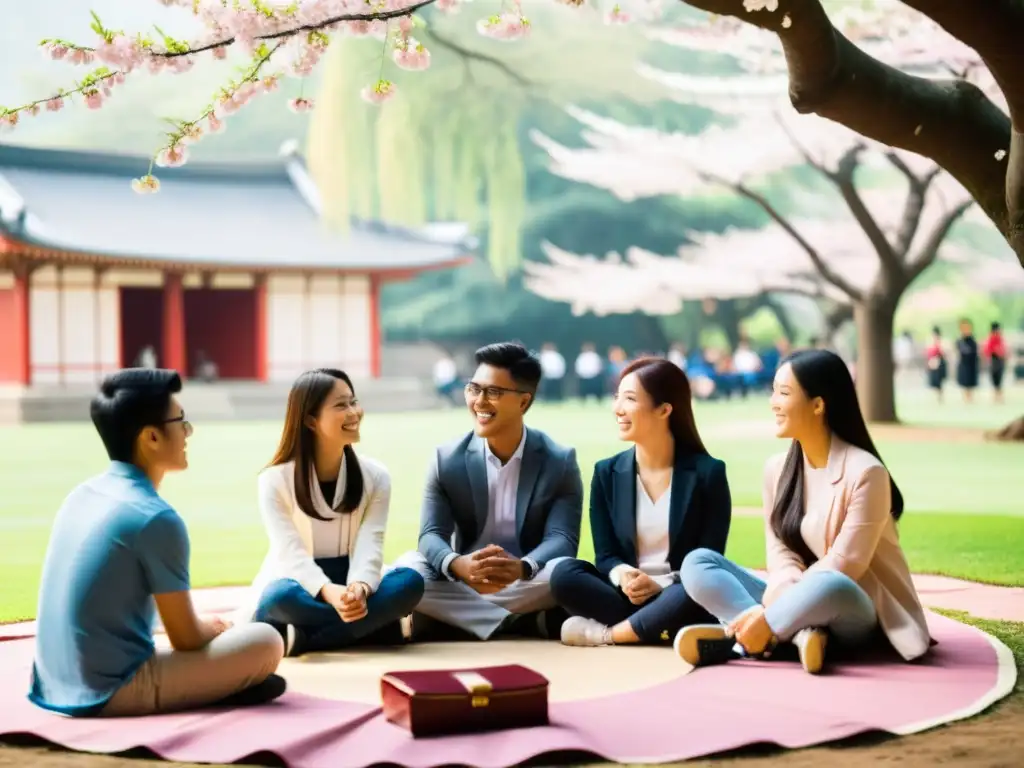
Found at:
[992, 355]
[714, 373]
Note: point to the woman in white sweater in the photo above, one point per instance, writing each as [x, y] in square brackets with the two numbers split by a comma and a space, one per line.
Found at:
[325, 511]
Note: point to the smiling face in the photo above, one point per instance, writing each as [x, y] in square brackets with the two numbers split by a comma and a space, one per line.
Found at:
[165, 446]
[796, 415]
[635, 412]
[338, 420]
[494, 400]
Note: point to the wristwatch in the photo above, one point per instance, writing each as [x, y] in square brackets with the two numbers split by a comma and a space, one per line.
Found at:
[529, 569]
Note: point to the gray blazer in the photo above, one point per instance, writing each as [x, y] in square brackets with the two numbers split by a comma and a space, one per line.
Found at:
[549, 500]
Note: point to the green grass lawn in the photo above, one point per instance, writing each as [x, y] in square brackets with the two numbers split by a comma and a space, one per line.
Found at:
[965, 500]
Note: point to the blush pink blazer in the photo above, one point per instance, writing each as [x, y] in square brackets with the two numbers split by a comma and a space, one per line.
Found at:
[856, 535]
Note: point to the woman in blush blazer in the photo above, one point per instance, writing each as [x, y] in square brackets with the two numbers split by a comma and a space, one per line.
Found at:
[325, 511]
[835, 565]
[649, 507]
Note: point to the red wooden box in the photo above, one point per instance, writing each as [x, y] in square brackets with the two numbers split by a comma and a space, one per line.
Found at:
[436, 702]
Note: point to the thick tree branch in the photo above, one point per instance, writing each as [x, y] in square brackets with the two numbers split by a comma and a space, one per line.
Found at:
[832, 77]
[930, 250]
[819, 263]
[995, 29]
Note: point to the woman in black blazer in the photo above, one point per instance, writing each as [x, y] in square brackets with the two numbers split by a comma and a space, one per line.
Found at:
[649, 507]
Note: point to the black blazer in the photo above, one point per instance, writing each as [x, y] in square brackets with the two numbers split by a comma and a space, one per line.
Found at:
[700, 510]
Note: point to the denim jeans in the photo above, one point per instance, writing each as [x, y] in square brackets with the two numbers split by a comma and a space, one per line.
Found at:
[285, 602]
[822, 599]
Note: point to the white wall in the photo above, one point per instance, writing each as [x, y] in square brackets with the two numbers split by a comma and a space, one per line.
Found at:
[320, 321]
[74, 327]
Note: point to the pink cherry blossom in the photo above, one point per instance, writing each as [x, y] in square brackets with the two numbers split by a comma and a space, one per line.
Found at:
[146, 185]
[411, 55]
[9, 120]
[449, 6]
[379, 92]
[214, 124]
[172, 156]
[56, 104]
[55, 51]
[93, 98]
[191, 133]
[616, 16]
[220, 52]
[300, 105]
[405, 24]
[507, 26]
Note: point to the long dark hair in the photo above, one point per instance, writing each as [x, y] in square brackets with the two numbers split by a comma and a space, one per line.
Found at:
[665, 382]
[298, 442]
[821, 373]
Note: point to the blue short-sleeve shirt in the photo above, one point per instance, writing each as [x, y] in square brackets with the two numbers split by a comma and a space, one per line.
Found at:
[114, 545]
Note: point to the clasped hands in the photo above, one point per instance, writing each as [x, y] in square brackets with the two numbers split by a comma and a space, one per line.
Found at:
[487, 570]
[638, 586]
[349, 602]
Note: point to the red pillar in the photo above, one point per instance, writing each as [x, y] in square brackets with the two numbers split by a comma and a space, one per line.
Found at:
[260, 329]
[23, 324]
[174, 325]
[375, 336]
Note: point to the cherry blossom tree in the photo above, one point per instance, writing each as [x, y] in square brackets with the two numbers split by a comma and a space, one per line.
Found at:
[890, 234]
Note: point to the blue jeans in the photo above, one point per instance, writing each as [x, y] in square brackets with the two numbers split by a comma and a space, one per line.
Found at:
[285, 602]
[821, 600]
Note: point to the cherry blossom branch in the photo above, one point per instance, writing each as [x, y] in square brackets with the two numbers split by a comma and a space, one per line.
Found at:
[90, 86]
[312, 27]
[823, 268]
[229, 99]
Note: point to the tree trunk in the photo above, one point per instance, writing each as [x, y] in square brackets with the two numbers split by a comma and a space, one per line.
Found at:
[1012, 431]
[875, 370]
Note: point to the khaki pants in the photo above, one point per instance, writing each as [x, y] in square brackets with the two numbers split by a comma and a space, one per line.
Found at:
[172, 681]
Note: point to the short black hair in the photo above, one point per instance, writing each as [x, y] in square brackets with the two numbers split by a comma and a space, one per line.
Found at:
[128, 402]
[522, 365]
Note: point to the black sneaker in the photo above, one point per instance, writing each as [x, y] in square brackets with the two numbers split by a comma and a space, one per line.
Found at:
[261, 693]
[701, 645]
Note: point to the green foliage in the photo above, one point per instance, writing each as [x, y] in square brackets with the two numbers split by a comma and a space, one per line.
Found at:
[451, 143]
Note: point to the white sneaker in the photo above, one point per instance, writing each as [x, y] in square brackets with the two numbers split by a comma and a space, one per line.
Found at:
[581, 631]
[811, 644]
[289, 642]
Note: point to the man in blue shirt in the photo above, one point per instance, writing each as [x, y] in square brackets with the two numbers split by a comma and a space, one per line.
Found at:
[118, 554]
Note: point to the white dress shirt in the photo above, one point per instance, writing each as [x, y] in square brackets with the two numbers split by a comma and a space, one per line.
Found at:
[652, 537]
[502, 492]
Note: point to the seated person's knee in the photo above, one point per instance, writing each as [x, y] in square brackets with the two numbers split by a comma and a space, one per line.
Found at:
[698, 559]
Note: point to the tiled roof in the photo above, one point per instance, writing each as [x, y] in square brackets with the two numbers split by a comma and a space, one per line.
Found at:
[261, 215]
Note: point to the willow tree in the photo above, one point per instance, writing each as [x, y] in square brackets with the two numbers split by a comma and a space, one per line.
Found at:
[451, 145]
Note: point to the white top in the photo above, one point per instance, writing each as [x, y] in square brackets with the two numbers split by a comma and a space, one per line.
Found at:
[589, 365]
[552, 364]
[445, 371]
[652, 537]
[746, 361]
[295, 539]
[502, 492]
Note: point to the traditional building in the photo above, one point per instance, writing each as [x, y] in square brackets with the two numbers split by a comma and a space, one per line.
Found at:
[228, 262]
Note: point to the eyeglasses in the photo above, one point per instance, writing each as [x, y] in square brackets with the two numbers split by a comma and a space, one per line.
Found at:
[474, 391]
[185, 423]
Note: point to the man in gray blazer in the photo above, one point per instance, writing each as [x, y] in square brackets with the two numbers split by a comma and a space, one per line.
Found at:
[502, 507]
